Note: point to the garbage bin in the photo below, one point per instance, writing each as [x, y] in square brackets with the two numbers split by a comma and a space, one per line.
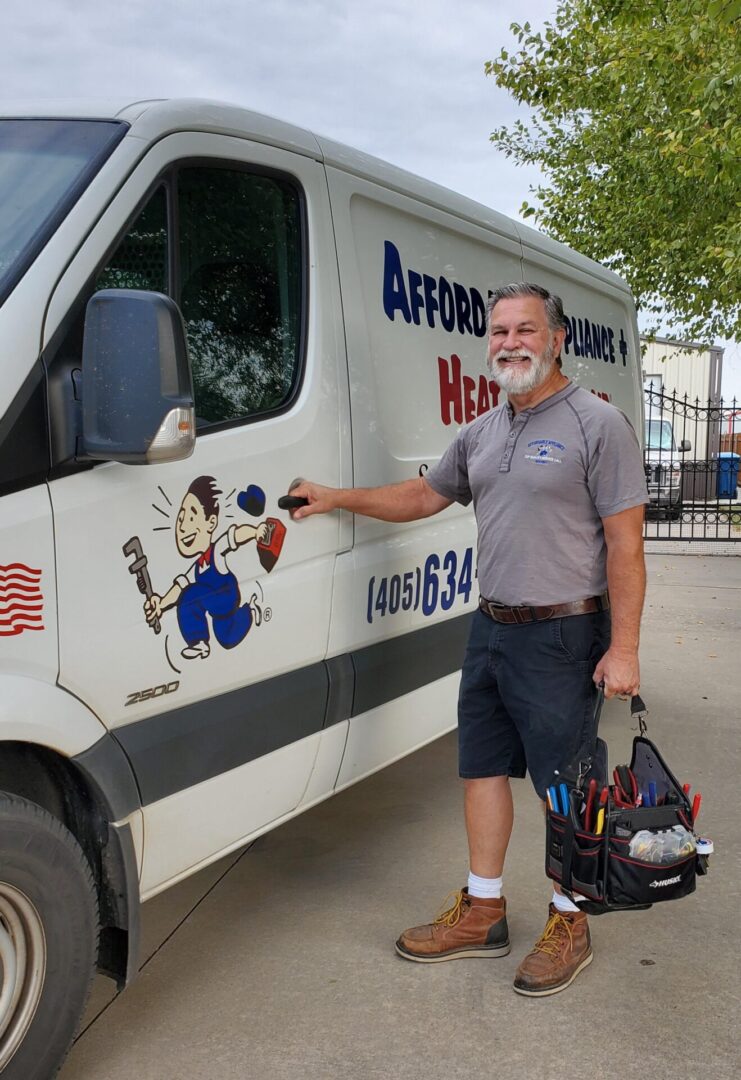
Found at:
[727, 480]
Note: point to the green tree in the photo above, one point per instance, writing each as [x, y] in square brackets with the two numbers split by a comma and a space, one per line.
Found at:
[636, 124]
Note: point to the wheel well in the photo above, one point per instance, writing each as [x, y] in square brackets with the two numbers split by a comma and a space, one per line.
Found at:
[52, 781]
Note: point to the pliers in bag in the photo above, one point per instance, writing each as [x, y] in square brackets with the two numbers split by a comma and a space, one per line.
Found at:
[625, 792]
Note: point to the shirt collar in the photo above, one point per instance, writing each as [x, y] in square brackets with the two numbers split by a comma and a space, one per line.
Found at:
[546, 403]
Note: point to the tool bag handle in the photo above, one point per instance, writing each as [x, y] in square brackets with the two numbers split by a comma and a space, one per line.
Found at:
[639, 712]
[638, 708]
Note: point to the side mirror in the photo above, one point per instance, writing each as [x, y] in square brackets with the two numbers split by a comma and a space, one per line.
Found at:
[684, 446]
[137, 387]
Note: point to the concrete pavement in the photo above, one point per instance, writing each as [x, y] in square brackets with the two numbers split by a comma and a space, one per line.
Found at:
[280, 963]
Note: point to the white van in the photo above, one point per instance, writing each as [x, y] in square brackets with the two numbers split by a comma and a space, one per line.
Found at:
[181, 666]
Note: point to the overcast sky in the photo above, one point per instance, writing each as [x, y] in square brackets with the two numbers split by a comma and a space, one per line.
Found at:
[402, 80]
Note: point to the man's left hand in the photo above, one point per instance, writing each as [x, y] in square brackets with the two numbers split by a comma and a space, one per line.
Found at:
[619, 671]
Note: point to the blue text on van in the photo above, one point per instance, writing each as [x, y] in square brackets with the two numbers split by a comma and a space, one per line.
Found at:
[460, 309]
[455, 307]
[593, 340]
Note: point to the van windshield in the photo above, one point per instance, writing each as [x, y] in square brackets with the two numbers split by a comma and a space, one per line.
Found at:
[659, 435]
[44, 167]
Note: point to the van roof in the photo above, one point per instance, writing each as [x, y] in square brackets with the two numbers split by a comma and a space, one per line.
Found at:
[151, 119]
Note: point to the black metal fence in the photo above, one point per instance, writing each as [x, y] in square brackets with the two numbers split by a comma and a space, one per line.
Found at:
[692, 457]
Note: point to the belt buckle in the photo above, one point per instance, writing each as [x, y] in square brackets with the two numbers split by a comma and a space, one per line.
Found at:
[497, 612]
[489, 608]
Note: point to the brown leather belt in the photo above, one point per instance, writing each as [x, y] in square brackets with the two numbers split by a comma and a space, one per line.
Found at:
[502, 614]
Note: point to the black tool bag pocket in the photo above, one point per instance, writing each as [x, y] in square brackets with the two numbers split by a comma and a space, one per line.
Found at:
[634, 883]
[634, 877]
[581, 852]
[602, 870]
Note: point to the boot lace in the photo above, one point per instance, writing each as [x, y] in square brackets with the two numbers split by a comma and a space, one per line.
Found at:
[552, 937]
[452, 915]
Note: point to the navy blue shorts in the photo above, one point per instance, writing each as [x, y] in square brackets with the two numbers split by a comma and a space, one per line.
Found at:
[527, 697]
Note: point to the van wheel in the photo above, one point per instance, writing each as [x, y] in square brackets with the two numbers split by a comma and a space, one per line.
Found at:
[48, 939]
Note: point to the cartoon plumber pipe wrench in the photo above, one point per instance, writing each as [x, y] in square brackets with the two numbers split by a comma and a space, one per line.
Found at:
[208, 589]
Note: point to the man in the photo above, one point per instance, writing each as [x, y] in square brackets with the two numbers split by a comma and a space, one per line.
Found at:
[558, 487]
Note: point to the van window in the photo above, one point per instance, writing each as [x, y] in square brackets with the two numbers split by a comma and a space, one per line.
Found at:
[44, 167]
[140, 260]
[239, 269]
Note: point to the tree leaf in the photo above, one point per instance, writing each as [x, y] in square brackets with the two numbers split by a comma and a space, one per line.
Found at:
[634, 123]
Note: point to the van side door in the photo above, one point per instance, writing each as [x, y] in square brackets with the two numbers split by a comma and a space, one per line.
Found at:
[193, 614]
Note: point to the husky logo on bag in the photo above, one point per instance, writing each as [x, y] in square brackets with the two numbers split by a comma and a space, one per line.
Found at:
[668, 881]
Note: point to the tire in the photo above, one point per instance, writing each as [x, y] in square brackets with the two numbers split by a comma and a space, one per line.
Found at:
[48, 933]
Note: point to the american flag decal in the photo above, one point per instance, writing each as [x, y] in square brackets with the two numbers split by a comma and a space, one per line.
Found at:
[21, 599]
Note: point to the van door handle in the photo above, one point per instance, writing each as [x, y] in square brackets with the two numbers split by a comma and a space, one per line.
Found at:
[291, 502]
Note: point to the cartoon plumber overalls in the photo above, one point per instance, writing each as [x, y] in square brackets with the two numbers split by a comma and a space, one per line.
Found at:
[215, 594]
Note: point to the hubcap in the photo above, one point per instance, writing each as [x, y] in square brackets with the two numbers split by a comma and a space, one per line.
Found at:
[23, 967]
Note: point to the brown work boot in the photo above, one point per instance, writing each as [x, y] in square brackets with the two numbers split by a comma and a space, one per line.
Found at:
[471, 927]
[564, 949]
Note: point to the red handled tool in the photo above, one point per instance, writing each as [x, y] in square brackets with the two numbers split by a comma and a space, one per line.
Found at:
[626, 787]
[589, 808]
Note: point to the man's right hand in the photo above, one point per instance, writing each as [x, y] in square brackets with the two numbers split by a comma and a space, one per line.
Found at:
[321, 499]
[153, 608]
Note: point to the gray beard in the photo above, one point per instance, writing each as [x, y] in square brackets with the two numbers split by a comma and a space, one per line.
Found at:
[515, 382]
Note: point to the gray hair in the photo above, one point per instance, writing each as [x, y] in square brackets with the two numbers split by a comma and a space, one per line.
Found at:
[553, 304]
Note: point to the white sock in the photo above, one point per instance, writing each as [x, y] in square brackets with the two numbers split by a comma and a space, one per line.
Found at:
[562, 903]
[486, 888]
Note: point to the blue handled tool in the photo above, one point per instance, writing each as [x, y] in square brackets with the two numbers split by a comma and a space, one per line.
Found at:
[552, 794]
[652, 792]
[564, 799]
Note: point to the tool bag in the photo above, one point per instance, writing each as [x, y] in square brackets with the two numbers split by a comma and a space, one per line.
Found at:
[642, 854]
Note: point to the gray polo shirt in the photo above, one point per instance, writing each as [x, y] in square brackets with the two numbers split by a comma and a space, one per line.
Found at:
[541, 481]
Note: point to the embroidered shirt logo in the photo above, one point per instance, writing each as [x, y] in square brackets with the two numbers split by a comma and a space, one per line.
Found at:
[545, 452]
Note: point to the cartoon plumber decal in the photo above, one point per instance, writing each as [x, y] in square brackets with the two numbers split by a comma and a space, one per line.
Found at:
[207, 595]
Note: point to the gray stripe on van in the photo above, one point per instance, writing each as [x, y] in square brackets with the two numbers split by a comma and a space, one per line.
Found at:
[182, 747]
[395, 667]
[185, 746]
